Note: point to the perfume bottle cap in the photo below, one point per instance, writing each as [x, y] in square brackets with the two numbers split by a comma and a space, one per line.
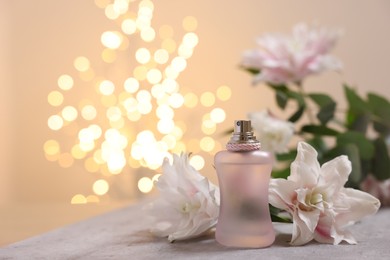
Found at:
[243, 138]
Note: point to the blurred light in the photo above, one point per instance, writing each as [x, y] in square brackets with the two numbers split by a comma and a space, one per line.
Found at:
[108, 55]
[106, 87]
[108, 101]
[91, 165]
[179, 64]
[190, 23]
[114, 114]
[81, 63]
[207, 99]
[121, 6]
[164, 111]
[145, 185]
[55, 122]
[65, 82]
[165, 125]
[87, 75]
[69, 113]
[148, 34]
[88, 112]
[190, 100]
[55, 98]
[224, 93]
[197, 162]
[161, 56]
[102, 3]
[131, 85]
[93, 199]
[129, 26]
[110, 12]
[208, 127]
[142, 55]
[100, 187]
[176, 100]
[140, 72]
[169, 85]
[77, 153]
[217, 115]
[111, 40]
[169, 44]
[78, 199]
[207, 144]
[144, 96]
[190, 39]
[51, 147]
[154, 76]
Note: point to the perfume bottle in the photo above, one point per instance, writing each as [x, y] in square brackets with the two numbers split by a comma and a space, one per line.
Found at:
[243, 173]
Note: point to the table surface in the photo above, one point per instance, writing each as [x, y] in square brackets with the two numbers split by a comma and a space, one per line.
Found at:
[121, 234]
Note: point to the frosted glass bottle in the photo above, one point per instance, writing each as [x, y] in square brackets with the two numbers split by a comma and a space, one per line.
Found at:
[244, 172]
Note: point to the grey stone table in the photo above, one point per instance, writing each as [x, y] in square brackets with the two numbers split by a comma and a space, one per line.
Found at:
[121, 235]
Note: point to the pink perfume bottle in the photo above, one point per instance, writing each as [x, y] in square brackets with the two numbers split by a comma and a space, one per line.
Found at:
[244, 172]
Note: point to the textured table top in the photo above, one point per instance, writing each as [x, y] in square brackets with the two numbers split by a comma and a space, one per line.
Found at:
[121, 235]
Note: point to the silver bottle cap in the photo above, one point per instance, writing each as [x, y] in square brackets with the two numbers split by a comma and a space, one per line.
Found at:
[243, 133]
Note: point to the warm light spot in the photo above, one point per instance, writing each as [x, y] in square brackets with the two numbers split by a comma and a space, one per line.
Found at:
[207, 99]
[145, 185]
[129, 26]
[190, 23]
[100, 187]
[69, 113]
[93, 199]
[65, 82]
[108, 101]
[165, 32]
[65, 160]
[224, 93]
[121, 6]
[161, 56]
[51, 147]
[81, 63]
[140, 72]
[146, 4]
[179, 64]
[87, 147]
[208, 127]
[185, 51]
[170, 140]
[217, 115]
[179, 148]
[190, 39]
[55, 122]
[77, 153]
[111, 40]
[177, 132]
[169, 44]
[176, 100]
[134, 116]
[164, 111]
[165, 125]
[148, 34]
[169, 85]
[78, 199]
[144, 108]
[88, 112]
[91, 165]
[154, 76]
[197, 162]
[190, 100]
[110, 12]
[207, 144]
[144, 96]
[131, 85]
[114, 114]
[95, 130]
[157, 91]
[106, 87]
[108, 55]
[142, 55]
[55, 98]
[97, 157]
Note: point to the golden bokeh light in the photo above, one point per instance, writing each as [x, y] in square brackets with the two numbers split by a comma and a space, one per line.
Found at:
[207, 144]
[81, 63]
[169, 45]
[100, 187]
[51, 147]
[78, 199]
[154, 76]
[108, 55]
[161, 56]
[224, 93]
[142, 55]
[111, 40]
[207, 99]
[69, 113]
[145, 185]
[65, 82]
[55, 122]
[88, 112]
[197, 162]
[165, 32]
[55, 98]
[106, 87]
[190, 23]
[129, 26]
[65, 160]
[217, 115]
[190, 100]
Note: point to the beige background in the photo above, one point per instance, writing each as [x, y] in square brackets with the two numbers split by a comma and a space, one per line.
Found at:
[39, 40]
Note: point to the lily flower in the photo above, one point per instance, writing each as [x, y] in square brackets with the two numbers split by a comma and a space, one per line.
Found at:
[188, 204]
[315, 196]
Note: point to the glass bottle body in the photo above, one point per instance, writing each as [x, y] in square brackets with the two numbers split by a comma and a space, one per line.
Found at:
[244, 218]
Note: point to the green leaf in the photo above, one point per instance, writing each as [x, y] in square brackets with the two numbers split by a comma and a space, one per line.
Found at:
[327, 107]
[275, 215]
[358, 111]
[319, 130]
[365, 147]
[253, 71]
[294, 117]
[287, 156]
[381, 160]
[381, 113]
[281, 173]
[281, 99]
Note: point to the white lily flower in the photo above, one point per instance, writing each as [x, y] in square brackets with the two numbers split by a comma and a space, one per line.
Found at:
[188, 204]
[315, 196]
[273, 133]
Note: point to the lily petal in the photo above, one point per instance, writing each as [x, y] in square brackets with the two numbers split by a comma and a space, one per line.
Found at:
[334, 174]
[282, 193]
[301, 233]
